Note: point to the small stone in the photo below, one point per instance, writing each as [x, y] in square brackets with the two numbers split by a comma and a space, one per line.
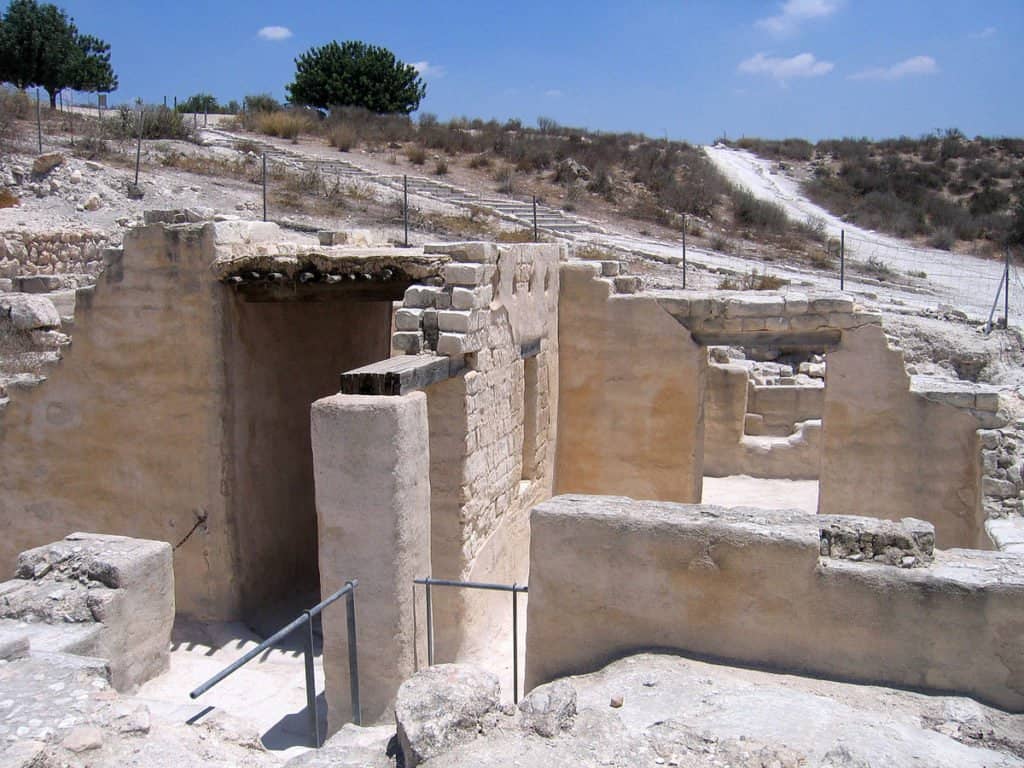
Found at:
[616, 702]
[92, 203]
[83, 739]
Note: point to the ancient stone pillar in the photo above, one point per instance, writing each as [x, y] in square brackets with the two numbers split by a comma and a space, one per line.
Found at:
[371, 462]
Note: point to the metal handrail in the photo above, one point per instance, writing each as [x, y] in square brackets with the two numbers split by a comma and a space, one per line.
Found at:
[348, 592]
[515, 589]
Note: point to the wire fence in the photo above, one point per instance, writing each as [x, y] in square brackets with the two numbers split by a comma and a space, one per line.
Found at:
[964, 281]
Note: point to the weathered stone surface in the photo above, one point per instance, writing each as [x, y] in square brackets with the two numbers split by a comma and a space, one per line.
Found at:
[43, 164]
[350, 747]
[83, 739]
[441, 707]
[125, 585]
[28, 312]
[549, 709]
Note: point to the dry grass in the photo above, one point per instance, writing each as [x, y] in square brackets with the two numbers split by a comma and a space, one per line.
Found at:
[8, 199]
[283, 125]
[752, 281]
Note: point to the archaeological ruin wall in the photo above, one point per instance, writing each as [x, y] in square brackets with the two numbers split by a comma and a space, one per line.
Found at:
[631, 400]
[852, 598]
[181, 410]
[455, 504]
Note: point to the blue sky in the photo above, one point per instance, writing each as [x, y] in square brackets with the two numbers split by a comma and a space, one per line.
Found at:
[688, 70]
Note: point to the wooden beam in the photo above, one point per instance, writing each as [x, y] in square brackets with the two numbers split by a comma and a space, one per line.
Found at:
[399, 375]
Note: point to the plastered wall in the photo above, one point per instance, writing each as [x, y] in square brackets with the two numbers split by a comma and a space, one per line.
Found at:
[181, 414]
[610, 576]
[127, 434]
[631, 405]
[913, 456]
[282, 356]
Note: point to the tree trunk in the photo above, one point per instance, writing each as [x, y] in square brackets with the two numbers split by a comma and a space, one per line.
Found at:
[53, 98]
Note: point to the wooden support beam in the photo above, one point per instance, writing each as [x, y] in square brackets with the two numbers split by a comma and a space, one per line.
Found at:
[399, 375]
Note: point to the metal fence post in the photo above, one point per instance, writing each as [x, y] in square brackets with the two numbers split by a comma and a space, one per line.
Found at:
[842, 259]
[684, 251]
[353, 655]
[264, 186]
[314, 724]
[430, 627]
[535, 218]
[1006, 293]
[405, 206]
[515, 645]
[138, 147]
[39, 122]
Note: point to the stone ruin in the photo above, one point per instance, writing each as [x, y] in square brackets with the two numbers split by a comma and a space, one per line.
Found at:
[288, 417]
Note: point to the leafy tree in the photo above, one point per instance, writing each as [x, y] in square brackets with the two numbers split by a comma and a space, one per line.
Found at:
[354, 74]
[41, 46]
[261, 102]
[200, 102]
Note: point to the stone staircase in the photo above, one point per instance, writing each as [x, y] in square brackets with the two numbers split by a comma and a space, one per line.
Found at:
[550, 220]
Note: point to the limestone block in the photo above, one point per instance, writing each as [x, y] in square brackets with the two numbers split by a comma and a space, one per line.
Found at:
[627, 284]
[754, 305]
[371, 468]
[408, 319]
[422, 296]
[408, 342]
[130, 593]
[464, 274]
[480, 253]
[245, 232]
[460, 321]
[825, 304]
[472, 298]
[28, 312]
[796, 303]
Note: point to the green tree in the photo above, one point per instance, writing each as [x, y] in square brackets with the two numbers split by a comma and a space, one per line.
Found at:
[354, 74]
[200, 102]
[41, 46]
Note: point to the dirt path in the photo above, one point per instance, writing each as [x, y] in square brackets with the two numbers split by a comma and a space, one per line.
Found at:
[966, 282]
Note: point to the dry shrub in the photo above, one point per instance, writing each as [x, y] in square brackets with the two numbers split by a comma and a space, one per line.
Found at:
[283, 125]
[515, 236]
[441, 167]
[8, 199]
[503, 178]
[752, 281]
[479, 161]
[416, 155]
[343, 137]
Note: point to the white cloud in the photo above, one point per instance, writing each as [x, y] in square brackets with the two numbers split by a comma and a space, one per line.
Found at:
[553, 93]
[801, 65]
[274, 33]
[983, 34]
[794, 12]
[426, 69]
[916, 65]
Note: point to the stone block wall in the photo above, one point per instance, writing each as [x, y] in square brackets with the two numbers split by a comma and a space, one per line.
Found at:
[52, 253]
[847, 598]
[492, 427]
